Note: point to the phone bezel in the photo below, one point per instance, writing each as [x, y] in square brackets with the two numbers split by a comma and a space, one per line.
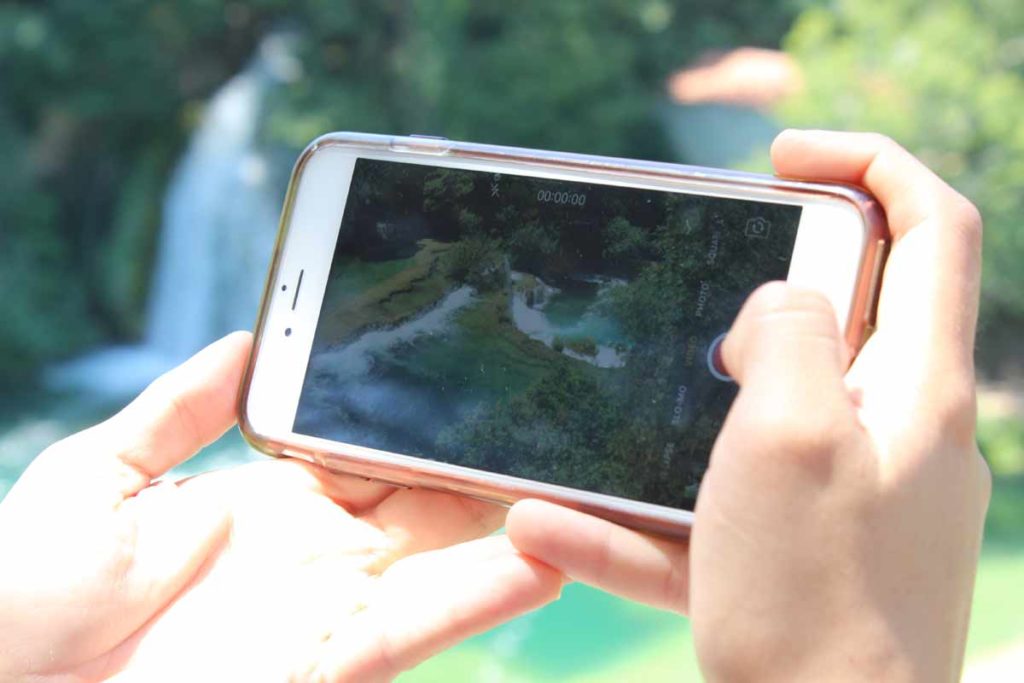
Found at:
[837, 222]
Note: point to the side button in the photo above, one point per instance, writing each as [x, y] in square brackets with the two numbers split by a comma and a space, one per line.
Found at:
[421, 144]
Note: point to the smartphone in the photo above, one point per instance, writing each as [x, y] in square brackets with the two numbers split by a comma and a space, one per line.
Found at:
[507, 323]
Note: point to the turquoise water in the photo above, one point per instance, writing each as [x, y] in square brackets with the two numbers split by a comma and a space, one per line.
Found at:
[572, 312]
[586, 636]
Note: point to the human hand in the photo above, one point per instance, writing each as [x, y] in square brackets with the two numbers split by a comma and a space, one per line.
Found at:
[275, 570]
[838, 526]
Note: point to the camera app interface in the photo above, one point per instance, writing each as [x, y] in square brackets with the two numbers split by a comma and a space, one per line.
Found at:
[546, 329]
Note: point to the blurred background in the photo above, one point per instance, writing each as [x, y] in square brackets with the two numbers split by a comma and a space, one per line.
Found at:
[145, 149]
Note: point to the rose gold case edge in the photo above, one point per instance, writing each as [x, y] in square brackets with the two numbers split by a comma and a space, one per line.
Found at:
[505, 489]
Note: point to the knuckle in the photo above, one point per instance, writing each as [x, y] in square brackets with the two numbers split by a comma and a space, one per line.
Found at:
[883, 143]
[967, 214]
[967, 220]
[188, 421]
[779, 297]
[812, 303]
[984, 481]
[779, 306]
[676, 587]
[602, 558]
[768, 294]
[769, 297]
[161, 387]
[805, 439]
[955, 411]
[761, 301]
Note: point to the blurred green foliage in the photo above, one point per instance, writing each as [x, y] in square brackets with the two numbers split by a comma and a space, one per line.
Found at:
[98, 99]
[945, 78]
[581, 75]
[1001, 440]
[92, 107]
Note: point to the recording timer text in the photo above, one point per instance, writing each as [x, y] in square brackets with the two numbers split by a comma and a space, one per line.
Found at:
[570, 198]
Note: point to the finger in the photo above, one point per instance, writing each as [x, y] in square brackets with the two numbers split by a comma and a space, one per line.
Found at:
[183, 410]
[929, 297]
[287, 510]
[415, 567]
[786, 353]
[448, 596]
[908, 190]
[786, 349]
[420, 519]
[179, 413]
[268, 478]
[639, 567]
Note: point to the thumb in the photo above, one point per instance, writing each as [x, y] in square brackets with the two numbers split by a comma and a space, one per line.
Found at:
[179, 413]
[785, 350]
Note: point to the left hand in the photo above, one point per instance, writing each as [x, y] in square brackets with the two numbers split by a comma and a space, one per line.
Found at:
[270, 571]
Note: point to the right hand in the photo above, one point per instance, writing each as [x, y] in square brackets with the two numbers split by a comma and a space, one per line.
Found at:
[838, 526]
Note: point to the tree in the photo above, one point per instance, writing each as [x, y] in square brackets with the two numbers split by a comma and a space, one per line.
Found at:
[945, 79]
[98, 99]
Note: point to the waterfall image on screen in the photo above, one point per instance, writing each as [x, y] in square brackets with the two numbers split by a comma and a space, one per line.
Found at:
[552, 330]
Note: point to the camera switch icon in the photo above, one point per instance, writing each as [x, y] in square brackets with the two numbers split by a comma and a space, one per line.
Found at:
[758, 228]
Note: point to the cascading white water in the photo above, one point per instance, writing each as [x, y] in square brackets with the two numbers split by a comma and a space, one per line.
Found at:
[354, 359]
[530, 318]
[219, 220]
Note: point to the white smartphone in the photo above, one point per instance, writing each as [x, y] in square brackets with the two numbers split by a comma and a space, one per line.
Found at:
[508, 323]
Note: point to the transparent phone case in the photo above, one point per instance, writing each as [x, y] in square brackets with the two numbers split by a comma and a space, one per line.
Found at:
[402, 470]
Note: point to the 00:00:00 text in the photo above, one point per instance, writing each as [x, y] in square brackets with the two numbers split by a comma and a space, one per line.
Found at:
[562, 197]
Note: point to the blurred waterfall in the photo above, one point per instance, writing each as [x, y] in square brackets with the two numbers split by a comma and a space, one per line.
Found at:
[219, 220]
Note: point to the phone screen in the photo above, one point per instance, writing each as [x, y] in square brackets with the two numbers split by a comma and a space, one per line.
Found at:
[554, 330]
